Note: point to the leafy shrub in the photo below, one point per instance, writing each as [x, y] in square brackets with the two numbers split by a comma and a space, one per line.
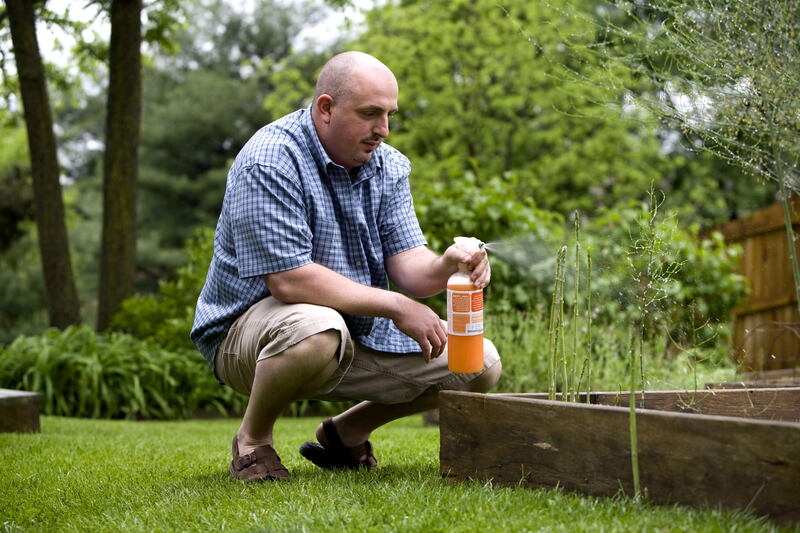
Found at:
[22, 302]
[649, 268]
[491, 211]
[697, 287]
[647, 271]
[166, 317]
[82, 373]
[522, 340]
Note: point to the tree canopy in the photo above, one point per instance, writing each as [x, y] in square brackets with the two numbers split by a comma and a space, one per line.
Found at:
[483, 89]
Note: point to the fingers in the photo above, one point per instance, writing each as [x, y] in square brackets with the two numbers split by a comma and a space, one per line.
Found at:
[455, 255]
[478, 258]
[440, 339]
[437, 341]
[426, 347]
[423, 325]
[434, 341]
[481, 271]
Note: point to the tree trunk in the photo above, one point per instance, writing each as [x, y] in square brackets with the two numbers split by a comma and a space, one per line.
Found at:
[120, 169]
[63, 306]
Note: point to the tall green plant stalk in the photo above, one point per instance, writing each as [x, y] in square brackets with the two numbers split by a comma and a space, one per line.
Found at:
[588, 325]
[558, 355]
[560, 352]
[790, 234]
[555, 330]
[632, 420]
[551, 343]
[574, 363]
[649, 280]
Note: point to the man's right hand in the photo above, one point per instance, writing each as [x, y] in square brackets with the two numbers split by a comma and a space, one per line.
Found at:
[422, 324]
[316, 284]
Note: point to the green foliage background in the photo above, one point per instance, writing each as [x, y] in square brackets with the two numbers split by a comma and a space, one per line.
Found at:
[511, 125]
[484, 90]
[81, 373]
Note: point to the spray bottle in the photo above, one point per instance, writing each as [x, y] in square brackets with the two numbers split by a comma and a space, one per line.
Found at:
[464, 316]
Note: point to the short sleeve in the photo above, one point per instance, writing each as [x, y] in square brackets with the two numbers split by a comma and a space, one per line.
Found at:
[399, 226]
[269, 224]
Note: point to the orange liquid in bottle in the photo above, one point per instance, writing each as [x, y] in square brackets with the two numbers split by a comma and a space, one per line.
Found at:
[464, 352]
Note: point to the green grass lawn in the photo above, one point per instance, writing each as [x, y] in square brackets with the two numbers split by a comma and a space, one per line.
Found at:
[117, 475]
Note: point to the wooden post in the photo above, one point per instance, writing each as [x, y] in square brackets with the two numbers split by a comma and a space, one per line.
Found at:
[19, 411]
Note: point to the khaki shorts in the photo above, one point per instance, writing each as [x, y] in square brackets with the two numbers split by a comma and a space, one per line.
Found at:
[269, 327]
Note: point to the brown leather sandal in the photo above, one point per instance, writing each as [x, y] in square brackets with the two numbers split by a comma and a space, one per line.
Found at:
[262, 464]
[332, 454]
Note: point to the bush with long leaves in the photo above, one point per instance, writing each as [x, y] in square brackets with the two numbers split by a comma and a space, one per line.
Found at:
[82, 373]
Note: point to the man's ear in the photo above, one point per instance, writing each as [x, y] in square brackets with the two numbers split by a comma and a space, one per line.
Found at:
[324, 103]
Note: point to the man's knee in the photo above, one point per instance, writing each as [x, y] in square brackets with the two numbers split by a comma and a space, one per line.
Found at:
[494, 370]
[486, 381]
[319, 352]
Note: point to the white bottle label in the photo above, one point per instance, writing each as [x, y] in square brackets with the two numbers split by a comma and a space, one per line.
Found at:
[464, 312]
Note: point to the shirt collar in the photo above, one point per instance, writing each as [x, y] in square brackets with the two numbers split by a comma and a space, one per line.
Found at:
[323, 160]
[317, 150]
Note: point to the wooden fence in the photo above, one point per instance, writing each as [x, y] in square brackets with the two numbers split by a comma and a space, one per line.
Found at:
[766, 327]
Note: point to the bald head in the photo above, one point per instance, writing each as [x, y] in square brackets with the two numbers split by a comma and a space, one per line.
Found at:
[356, 94]
[343, 71]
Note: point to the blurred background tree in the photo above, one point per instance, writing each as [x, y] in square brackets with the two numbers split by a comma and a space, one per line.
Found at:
[729, 72]
[63, 307]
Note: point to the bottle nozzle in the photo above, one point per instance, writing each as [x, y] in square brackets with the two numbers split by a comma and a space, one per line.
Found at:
[469, 244]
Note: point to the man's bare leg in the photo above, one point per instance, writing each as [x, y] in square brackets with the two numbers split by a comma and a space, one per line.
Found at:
[357, 423]
[283, 378]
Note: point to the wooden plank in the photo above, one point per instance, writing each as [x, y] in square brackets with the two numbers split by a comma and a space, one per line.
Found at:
[19, 411]
[771, 303]
[765, 263]
[771, 374]
[768, 384]
[759, 222]
[687, 459]
[768, 340]
[760, 403]
[785, 377]
[758, 306]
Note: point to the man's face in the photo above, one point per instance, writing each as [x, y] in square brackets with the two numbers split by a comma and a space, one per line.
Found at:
[354, 127]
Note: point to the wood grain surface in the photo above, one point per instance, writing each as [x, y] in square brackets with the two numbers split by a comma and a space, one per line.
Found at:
[762, 403]
[19, 411]
[699, 460]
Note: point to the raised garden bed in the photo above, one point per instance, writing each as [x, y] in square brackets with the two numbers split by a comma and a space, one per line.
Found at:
[737, 449]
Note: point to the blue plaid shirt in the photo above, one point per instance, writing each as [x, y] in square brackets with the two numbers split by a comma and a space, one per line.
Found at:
[286, 205]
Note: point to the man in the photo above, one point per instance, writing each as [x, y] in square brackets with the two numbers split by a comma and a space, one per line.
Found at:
[317, 213]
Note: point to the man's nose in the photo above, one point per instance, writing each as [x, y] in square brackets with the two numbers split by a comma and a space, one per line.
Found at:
[382, 126]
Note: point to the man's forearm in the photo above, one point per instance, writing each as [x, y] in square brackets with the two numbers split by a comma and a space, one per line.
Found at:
[431, 276]
[420, 272]
[316, 284]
